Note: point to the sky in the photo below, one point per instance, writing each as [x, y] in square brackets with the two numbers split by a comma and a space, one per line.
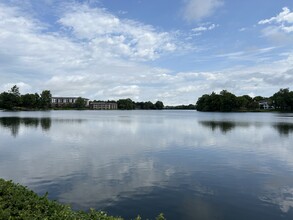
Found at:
[147, 50]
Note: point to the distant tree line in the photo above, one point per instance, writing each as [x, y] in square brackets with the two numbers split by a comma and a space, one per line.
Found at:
[226, 101]
[12, 99]
[182, 107]
[128, 104]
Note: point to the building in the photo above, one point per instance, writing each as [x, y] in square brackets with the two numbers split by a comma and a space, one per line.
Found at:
[265, 104]
[64, 101]
[103, 105]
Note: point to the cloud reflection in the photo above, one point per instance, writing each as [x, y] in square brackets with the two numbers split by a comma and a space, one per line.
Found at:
[282, 197]
[114, 159]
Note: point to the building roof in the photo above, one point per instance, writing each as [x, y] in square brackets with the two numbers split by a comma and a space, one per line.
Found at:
[63, 97]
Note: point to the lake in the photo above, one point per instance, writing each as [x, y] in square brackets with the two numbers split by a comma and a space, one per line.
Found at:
[186, 164]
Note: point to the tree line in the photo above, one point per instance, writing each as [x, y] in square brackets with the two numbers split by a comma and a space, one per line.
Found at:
[181, 107]
[12, 99]
[128, 104]
[226, 101]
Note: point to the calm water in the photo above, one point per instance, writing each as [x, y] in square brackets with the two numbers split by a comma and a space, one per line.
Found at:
[186, 164]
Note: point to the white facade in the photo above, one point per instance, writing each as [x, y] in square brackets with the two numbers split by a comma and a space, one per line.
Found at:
[66, 100]
[104, 105]
[264, 105]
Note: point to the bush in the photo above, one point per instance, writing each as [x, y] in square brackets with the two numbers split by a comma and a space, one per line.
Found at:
[18, 202]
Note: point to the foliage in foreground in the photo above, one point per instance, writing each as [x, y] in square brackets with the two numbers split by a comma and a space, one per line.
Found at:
[18, 202]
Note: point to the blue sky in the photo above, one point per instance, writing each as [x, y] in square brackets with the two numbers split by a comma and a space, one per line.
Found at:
[173, 51]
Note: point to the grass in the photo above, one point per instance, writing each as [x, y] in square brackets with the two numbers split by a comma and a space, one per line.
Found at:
[19, 202]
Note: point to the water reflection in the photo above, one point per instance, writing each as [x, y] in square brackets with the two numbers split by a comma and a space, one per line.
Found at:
[284, 129]
[224, 126]
[14, 123]
[282, 197]
[185, 164]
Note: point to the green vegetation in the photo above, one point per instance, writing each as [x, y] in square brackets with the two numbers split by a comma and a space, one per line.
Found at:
[149, 105]
[159, 105]
[13, 100]
[80, 103]
[19, 203]
[182, 107]
[223, 102]
[128, 104]
[45, 100]
[283, 100]
[227, 102]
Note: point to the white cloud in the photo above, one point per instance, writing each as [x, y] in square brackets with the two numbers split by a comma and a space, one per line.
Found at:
[285, 16]
[76, 65]
[23, 87]
[249, 54]
[205, 27]
[99, 56]
[196, 10]
[124, 92]
[283, 21]
[114, 36]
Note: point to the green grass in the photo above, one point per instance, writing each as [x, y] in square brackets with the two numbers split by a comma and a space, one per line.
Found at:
[18, 202]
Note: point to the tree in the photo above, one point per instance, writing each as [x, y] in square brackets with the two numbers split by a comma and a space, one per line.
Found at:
[283, 99]
[214, 102]
[15, 96]
[80, 103]
[45, 99]
[11, 99]
[8, 101]
[159, 105]
[258, 98]
[244, 101]
[225, 102]
[148, 105]
[228, 101]
[126, 104]
[291, 100]
[30, 100]
[15, 91]
[202, 103]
